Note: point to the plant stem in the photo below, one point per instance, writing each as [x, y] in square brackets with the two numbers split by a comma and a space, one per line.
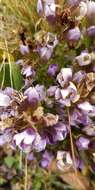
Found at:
[26, 174]
[71, 141]
[20, 160]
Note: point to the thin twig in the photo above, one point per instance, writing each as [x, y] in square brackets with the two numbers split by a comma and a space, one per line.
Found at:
[71, 141]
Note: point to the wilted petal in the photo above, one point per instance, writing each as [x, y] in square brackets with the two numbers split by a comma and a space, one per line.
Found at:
[89, 130]
[64, 76]
[90, 80]
[61, 164]
[50, 119]
[83, 59]
[79, 76]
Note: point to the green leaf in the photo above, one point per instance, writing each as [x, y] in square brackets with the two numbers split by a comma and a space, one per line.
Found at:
[2, 180]
[16, 76]
[9, 161]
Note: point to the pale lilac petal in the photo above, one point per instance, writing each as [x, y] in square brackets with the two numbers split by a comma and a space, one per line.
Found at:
[24, 49]
[51, 91]
[4, 100]
[73, 34]
[85, 106]
[82, 143]
[39, 7]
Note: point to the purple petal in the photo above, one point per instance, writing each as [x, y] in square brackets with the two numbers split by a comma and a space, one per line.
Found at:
[73, 34]
[91, 31]
[53, 69]
[46, 159]
[82, 143]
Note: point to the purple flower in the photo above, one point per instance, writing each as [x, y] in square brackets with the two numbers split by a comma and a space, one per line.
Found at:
[32, 95]
[50, 10]
[41, 92]
[67, 95]
[91, 31]
[9, 91]
[47, 157]
[24, 49]
[61, 131]
[45, 52]
[55, 133]
[29, 140]
[51, 90]
[83, 59]
[73, 34]
[79, 117]
[46, 46]
[82, 143]
[64, 76]
[26, 137]
[28, 71]
[53, 69]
